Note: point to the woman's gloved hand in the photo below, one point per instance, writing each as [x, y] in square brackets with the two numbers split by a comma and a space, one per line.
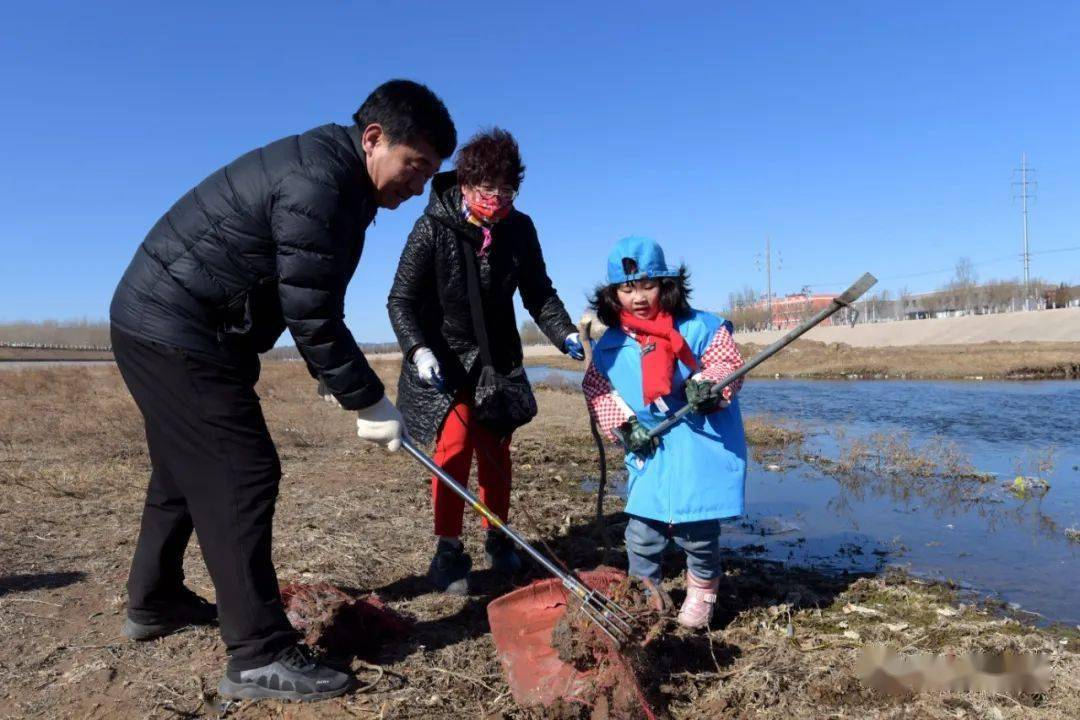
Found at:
[428, 368]
[380, 423]
[573, 346]
[635, 438]
[701, 396]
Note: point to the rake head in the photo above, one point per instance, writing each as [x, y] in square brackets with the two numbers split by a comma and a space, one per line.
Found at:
[605, 613]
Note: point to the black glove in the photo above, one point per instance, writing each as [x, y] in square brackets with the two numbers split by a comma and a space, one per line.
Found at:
[635, 438]
[702, 398]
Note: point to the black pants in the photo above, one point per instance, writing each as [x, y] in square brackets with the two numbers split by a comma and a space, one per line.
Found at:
[215, 470]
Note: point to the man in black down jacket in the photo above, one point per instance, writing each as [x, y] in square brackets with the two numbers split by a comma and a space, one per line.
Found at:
[269, 241]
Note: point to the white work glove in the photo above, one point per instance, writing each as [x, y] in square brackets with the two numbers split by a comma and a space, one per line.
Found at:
[380, 423]
[428, 368]
[325, 394]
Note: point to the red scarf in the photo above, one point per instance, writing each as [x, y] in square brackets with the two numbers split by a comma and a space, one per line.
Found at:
[660, 344]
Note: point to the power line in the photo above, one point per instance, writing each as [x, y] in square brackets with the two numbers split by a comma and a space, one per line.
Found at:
[1056, 250]
[925, 273]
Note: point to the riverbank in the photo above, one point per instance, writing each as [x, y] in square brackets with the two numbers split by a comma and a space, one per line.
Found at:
[784, 643]
[808, 359]
[811, 359]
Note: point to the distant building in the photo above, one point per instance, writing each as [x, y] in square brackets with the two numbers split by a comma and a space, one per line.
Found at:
[790, 310]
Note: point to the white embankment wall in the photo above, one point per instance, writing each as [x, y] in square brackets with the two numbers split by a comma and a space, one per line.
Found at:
[1062, 325]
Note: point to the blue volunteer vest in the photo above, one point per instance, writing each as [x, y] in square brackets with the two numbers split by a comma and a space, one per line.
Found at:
[699, 470]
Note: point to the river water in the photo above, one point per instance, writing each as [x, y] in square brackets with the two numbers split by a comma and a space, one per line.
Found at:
[976, 533]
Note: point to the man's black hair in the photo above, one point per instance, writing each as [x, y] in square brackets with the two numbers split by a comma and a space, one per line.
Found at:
[407, 110]
[674, 298]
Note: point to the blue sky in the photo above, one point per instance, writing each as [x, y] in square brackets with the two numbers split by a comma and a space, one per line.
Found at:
[858, 135]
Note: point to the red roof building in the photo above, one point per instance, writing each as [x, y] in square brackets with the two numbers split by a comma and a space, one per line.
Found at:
[789, 311]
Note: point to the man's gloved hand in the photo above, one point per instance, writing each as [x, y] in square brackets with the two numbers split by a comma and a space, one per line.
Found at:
[635, 438]
[700, 396]
[325, 394]
[380, 423]
[573, 346]
[428, 368]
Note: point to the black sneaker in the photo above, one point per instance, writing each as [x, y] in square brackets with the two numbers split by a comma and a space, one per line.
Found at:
[501, 553]
[449, 569]
[189, 609]
[294, 675]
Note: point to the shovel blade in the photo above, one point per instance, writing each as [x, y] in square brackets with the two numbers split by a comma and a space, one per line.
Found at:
[857, 290]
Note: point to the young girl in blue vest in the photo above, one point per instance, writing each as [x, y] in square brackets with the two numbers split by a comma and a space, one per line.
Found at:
[658, 355]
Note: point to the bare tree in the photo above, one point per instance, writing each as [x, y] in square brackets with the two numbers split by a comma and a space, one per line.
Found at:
[903, 303]
[963, 284]
[530, 333]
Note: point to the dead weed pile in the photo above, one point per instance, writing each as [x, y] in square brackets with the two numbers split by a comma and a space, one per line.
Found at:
[801, 662]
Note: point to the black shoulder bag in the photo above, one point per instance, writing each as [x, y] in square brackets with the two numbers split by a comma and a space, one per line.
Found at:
[503, 402]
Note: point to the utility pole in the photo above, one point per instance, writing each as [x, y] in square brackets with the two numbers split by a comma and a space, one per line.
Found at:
[768, 277]
[1025, 195]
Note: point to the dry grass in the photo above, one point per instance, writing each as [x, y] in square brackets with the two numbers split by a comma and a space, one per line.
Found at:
[53, 332]
[73, 470]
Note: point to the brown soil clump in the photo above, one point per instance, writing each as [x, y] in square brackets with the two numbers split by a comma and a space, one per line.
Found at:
[622, 677]
[341, 623]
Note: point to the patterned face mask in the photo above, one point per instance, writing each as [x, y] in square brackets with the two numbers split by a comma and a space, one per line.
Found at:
[488, 209]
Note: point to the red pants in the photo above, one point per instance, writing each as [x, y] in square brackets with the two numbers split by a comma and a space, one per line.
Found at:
[460, 437]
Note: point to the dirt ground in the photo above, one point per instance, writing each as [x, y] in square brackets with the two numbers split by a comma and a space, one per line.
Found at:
[73, 470]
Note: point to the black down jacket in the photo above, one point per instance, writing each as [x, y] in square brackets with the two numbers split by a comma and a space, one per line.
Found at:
[269, 241]
[429, 303]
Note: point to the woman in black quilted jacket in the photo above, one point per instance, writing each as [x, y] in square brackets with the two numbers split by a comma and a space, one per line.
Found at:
[469, 218]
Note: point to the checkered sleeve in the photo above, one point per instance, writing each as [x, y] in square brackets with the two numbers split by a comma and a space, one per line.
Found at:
[607, 409]
[721, 359]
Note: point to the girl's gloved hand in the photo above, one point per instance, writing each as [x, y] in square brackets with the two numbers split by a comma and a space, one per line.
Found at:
[428, 368]
[573, 346]
[635, 438]
[380, 423]
[701, 396]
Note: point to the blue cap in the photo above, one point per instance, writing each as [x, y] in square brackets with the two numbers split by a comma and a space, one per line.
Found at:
[646, 254]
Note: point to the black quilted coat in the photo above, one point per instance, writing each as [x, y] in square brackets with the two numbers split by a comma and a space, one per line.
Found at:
[267, 242]
[429, 303]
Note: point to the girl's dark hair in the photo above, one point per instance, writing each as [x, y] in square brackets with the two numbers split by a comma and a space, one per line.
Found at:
[674, 298]
[490, 156]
